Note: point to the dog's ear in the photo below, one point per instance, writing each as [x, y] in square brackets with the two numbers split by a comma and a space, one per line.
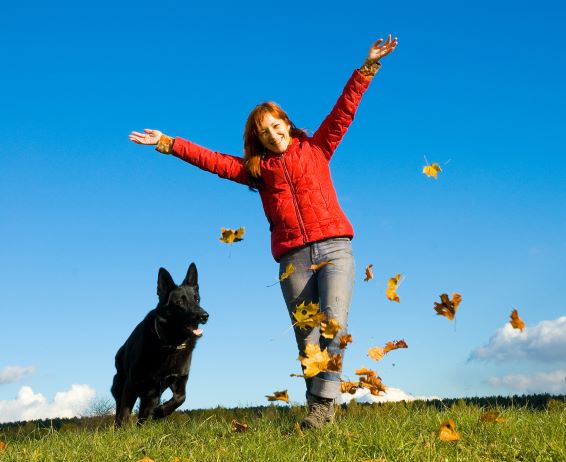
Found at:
[191, 279]
[165, 284]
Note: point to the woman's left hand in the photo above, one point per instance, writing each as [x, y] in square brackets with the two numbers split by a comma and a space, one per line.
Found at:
[378, 50]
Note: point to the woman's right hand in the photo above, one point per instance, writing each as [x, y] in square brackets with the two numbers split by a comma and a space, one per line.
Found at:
[149, 136]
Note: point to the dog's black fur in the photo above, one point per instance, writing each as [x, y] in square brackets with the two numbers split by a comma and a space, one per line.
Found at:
[157, 355]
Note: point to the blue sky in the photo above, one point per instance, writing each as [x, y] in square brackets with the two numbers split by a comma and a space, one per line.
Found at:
[87, 217]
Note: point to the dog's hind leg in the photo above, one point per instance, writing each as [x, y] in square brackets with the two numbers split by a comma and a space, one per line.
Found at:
[178, 388]
[124, 405]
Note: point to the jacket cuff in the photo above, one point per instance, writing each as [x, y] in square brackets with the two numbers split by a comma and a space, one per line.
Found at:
[369, 68]
[165, 144]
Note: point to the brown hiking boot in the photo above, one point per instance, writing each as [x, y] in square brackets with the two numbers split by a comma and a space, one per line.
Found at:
[321, 412]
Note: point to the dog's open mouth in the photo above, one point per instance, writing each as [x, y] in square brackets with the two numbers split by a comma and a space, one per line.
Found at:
[196, 331]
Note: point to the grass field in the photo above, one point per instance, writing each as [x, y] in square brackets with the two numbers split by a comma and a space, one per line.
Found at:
[388, 432]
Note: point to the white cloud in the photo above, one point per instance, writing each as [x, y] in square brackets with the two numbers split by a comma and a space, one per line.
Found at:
[32, 406]
[12, 374]
[544, 342]
[540, 382]
[363, 395]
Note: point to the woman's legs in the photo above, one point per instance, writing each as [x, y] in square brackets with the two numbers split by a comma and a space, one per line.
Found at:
[331, 287]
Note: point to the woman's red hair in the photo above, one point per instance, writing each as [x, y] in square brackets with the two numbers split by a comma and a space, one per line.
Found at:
[253, 148]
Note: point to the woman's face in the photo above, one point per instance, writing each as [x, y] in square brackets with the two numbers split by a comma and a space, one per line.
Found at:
[274, 133]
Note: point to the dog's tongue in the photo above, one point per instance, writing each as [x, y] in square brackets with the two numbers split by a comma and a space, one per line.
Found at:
[197, 332]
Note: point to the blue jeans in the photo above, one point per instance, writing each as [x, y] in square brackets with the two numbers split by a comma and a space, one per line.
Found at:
[331, 287]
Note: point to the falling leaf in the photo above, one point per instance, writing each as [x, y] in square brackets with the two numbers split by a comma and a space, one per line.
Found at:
[278, 396]
[373, 382]
[349, 387]
[363, 371]
[369, 273]
[344, 340]
[432, 170]
[335, 363]
[322, 264]
[447, 431]
[296, 375]
[229, 236]
[492, 416]
[240, 427]
[308, 315]
[516, 321]
[448, 307]
[330, 329]
[315, 361]
[392, 287]
[290, 269]
[378, 352]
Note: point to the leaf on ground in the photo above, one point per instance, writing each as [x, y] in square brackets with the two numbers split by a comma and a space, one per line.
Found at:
[492, 416]
[330, 329]
[369, 273]
[447, 431]
[322, 264]
[432, 170]
[308, 315]
[448, 307]
[240, 427]
[229, 236]
[146, 459]
[2, 446]
[278, 396]
[390, 292]
[516, 321]
[344, 340]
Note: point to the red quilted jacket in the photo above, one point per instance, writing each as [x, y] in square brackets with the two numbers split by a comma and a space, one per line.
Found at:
[297, 193]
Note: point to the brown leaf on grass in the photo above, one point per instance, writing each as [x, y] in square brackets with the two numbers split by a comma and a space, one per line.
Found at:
[448, 307]
[278, 396]
[330, 329]
[390, 292]
[322, 264]
[492, 416]
[228, 236]
[308, 316]
[432, 170]
[2, 446]
[240, 427]
[349, 387]
[516, 321]
[344, 340]
[146, 459]
[369, 273]
[447, 431]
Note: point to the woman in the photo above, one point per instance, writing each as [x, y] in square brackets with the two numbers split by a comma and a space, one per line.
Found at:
[291, 172]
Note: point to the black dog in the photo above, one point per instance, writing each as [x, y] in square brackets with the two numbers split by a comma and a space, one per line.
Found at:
[157, 355]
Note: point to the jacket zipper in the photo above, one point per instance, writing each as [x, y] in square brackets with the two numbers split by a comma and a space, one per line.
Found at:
[294, 195]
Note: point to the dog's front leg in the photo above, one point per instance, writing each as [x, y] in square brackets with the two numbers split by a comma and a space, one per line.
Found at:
[124, 405]
[148, 405]
[178, 388]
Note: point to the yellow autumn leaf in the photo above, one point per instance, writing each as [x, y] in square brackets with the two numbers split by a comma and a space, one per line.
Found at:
[369, 273]
[448, 307]
[344, 340]
[376, 353]
[372, 381]
[240, 427]
[492, 416]
[316, 267]
[289, 269]
[278, 396]
[392, 287]
[229, 236]
[432, 170]
[330, 329]
[2, 446]
[447, 431]
[146, 459]
[516, 321]
[315, 361]
[308, 315]
[363, 371]
[349, 387]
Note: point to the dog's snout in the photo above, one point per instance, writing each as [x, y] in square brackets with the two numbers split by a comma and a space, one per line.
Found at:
[203, 317]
